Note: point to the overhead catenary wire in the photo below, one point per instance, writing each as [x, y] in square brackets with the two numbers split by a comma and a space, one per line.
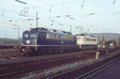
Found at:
[83, 3]
[61, 13]
[107, 11]
[26, 11]
[114, 1]
[21, 1]
[70, 17]
[75, 14]
[65, 12]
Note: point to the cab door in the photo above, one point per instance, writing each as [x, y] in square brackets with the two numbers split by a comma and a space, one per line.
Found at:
[41, 38]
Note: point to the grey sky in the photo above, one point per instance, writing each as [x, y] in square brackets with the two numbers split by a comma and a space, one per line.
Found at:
[83, 15]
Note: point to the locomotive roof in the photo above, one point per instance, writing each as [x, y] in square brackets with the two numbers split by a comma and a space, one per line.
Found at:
[47, 30]
[86, 36]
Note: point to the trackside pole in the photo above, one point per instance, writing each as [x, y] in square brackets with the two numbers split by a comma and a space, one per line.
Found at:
[97, 55]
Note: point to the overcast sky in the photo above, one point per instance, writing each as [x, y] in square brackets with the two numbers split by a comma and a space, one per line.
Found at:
[84, 16]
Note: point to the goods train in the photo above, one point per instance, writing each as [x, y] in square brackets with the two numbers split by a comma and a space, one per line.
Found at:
[9, 43]
[39, 41]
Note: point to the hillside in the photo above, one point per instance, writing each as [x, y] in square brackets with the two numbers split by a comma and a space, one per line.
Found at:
[107, 36]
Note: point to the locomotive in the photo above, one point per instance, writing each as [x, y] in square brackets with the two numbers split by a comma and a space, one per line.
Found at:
[42, 41]
[39, 41]
[86, 41]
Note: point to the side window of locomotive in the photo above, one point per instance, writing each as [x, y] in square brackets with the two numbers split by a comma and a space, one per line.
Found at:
[54, 36]
[70, 38]
[49, 36]
[57, 36]
[66, 37]
[62, 37]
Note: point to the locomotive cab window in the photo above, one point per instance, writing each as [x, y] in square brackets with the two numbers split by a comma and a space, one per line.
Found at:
[25, 35]
[33, 35]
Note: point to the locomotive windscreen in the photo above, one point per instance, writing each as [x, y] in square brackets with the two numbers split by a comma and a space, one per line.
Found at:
[32, 35]
[29, 35]
[29, 38]
[25, 35]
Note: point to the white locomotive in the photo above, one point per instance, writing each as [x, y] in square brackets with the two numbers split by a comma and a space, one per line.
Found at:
[85, 41]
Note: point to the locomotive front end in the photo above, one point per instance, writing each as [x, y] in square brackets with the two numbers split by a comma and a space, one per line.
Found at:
[29, 43]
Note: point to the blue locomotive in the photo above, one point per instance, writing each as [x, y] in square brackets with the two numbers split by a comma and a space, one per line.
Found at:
[42, 41]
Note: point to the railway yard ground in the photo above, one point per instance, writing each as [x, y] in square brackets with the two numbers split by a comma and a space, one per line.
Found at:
[8, 52]
[110, 72]
[58, 66]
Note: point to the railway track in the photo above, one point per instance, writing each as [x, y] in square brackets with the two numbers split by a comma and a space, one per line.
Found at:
[18, 68]
[97, 70]
[8, 52]
[87, 71]
[13, 53]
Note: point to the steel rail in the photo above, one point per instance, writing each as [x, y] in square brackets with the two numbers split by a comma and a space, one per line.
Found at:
[80, 76]
[95, 71]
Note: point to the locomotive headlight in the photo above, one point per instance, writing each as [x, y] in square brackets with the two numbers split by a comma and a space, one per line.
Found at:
[27, 41]
[23, 50]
